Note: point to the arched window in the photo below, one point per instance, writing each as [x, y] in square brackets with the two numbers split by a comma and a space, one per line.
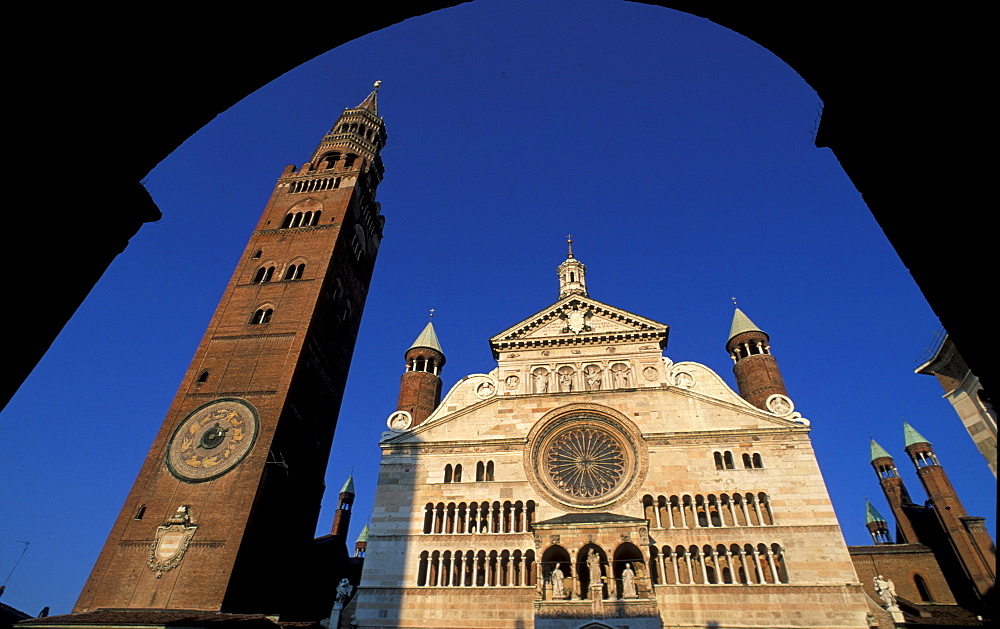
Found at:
[447, 473]
[257, 254]
[428, 518]
[758, 463]
[331, 159]
[728, 457]
[718, 460]
[349, 160]
[747, 463]
[261, 316]
[480, 472]
[922, 589]
[489, 471]
[285, 224]
[203, 377]
[457, 477]
[294, 271]
[142, 511]
[315, 218]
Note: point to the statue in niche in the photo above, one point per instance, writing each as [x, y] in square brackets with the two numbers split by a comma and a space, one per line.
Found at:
[593, 373]
[540, 382]
[620, 376]
[565, 379]
[557, 583]
[886, 590]
[628, 582]
[594, 568]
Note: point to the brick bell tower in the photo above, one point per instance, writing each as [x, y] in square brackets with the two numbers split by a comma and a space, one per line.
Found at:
[967, 535]
[228, 498]
[756, 370]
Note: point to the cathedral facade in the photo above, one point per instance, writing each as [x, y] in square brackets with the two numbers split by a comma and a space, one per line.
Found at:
[589, 481]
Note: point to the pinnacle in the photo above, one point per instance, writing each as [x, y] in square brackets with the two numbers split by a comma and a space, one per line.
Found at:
[371, 101]
[428, 338]
[741, 324]
[348, 487]
[911, 436]
[878, 451]
[363, 536]
[872, 514]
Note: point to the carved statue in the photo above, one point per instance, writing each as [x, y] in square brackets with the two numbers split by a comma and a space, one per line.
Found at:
[594, 566]
[344, 590]
[628, 582]
[620, 375]
[557, 583]
[566, 381]
[886, 590]
[594, 378]
[541, 381]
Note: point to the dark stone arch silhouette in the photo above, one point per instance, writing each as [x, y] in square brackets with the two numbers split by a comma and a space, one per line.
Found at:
[904, 112]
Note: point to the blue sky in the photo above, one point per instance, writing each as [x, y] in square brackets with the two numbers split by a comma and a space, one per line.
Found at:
[680, 156]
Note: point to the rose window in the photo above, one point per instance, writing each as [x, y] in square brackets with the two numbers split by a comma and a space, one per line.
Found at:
[585, 462]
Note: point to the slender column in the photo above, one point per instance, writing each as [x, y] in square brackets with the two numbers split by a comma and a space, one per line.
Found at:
[662, 573]
[756, 565]
[701, 562]
[690, 569]
[770, 563]
[760, 516]
[656, 509]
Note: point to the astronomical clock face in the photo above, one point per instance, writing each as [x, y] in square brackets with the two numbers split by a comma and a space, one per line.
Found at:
[585, 459]
[212, 440]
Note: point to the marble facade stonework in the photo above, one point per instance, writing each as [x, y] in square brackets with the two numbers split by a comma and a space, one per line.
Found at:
[602, 482]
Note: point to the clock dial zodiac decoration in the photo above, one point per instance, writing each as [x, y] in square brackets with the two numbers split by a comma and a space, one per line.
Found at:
[212, 440]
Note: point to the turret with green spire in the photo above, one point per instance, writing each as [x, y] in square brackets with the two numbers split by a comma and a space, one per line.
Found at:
[420, 385]
[361, 544]
[342, 516]
[895, 494]
[876, 524]
[756, 370]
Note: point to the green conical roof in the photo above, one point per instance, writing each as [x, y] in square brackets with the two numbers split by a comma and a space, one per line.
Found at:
[871, 514]
[348, 487]
[363, 536]
[878, 451]
[741, 324]
[428, 338]
[911, 436]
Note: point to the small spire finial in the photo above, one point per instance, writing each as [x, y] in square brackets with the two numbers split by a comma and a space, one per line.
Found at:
[569, 244]
[377, 85]
[734, 301]
[431, 314]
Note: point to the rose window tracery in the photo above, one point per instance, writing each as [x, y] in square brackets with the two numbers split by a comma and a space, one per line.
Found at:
[585, 456]
[585, 462]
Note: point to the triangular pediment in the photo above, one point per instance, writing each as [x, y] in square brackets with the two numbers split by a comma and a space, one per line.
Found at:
[582, 319]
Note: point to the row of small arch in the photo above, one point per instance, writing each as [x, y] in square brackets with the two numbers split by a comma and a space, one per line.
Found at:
[314, 185]
[470, 568]
[610, 565]
[700, 511]
[479, 517]
[266, 273]
[718, 565]
[750, 348]
[301, 219]
[484, 472]
[751, 460]
[369, 133]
